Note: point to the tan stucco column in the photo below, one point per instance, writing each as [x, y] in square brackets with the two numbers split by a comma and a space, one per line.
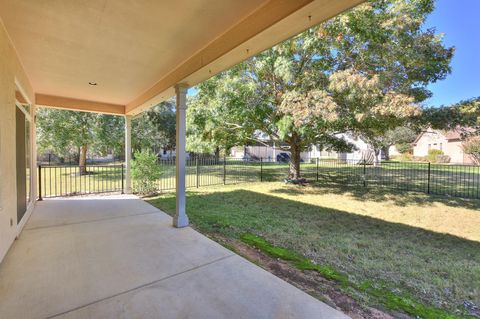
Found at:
[128, 154]
[180, 219]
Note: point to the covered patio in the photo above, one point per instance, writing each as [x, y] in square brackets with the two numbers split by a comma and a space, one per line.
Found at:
[122, 58]
[119, 257]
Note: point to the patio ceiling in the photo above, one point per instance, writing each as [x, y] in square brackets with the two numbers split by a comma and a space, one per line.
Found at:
[136, 51]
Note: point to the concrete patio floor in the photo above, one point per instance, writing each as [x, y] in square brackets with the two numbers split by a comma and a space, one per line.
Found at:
[119, 257]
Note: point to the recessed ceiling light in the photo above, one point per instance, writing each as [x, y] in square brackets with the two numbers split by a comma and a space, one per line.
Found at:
[92, 83]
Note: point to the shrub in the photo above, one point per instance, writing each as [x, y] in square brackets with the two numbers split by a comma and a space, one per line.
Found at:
[433, 155]
[404, 147]
[443, 159]
[405, 157]
[145, 172]
[472, 147]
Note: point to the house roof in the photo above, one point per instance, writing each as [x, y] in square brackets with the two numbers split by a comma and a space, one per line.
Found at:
[450, 135]
[453, 134]
[134, 52]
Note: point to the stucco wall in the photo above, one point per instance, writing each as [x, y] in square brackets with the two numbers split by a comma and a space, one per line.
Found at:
[10, 72]
[452, 148]
[430, 137]
[455, 151]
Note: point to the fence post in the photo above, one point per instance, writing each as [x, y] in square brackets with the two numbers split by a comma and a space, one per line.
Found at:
[224, 170]
[40, 182]
[317, 168]
[261, 169]
[197, 170]
[123, 186]
[364, 173]
[428, 179]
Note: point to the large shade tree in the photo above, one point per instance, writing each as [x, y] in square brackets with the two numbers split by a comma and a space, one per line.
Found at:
[464, 115]
[365, 71]
[109, 135]
[64, 132]
[155, 128]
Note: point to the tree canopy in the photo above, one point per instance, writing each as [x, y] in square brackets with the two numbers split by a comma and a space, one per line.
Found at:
[73, 133]
[70, 132]
[155, 128]
[464, 114]
[365, 71]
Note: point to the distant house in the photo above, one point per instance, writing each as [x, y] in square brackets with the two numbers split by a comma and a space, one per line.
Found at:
[169, 154]
[449, 142]
[269, 150]
[166, 153]
[362, 151]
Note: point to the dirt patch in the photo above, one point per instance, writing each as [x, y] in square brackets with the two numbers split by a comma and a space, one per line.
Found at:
[309, 281]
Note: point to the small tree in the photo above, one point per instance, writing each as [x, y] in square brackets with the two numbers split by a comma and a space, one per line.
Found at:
[145, 172]
[472, 147]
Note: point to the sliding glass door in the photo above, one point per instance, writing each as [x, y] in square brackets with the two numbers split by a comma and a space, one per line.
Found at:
[23, 159]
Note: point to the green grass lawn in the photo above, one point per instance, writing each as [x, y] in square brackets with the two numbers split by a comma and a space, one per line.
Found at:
[405, 251]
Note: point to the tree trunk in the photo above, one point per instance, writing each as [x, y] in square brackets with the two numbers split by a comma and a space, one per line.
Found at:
[376, 160]
[217, 155]
[386, 151]
[82, 162]
[294, 169]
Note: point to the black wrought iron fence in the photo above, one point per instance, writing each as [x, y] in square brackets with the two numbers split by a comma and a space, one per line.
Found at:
[441, 179]
[210, 171]
[69, 180]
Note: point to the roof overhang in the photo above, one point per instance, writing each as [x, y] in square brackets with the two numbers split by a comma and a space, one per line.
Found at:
[78, 105]
[134, 53]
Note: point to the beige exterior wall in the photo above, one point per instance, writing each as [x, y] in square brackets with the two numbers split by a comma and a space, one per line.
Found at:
[455, 151]
[11, 72]
[452, 148]
[432, 138]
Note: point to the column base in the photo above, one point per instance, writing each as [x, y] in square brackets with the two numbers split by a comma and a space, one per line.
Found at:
[180, 221]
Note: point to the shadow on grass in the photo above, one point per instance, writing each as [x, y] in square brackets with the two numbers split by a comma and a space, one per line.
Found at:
[294, 190]
[438, 269]
[381, 194]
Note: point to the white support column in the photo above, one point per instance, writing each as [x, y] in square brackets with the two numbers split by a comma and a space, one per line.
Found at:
[180, 219]
[128, 154]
